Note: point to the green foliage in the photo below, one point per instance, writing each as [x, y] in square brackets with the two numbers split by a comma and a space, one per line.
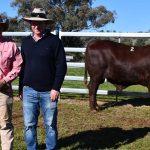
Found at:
[13, 22]
[140, 42]
[69, 15]
[80, 84]
[127, 41]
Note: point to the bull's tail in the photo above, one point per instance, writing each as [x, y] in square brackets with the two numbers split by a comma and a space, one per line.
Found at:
[85, 76]
[85, 70]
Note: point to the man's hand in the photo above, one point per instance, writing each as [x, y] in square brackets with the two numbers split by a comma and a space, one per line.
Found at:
[2, 83]
[20, 95]
[54, 95]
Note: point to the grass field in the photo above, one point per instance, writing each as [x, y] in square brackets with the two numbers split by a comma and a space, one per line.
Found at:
[124, 125]
[80, 84]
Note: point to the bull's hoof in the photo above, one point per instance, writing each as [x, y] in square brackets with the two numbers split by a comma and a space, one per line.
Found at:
[95, 108]
[94, 111]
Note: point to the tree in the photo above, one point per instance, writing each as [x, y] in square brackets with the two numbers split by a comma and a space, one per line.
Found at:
[12, 22]
[69, 15]
[4, 17]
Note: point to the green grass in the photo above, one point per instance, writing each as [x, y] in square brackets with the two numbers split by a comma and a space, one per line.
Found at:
[124, 126]
[80, 84]
[104, 86]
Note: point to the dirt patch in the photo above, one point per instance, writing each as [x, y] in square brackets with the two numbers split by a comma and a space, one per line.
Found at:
[79, 102]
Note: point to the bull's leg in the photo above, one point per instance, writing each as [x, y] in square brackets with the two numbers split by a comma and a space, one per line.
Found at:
[93, 86]
[117, 92]
[119, 88]
[117, 95]
[148, 89]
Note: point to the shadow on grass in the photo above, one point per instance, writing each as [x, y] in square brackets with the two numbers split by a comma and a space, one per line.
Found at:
[41, 146]
[135, 102]
[102, 138]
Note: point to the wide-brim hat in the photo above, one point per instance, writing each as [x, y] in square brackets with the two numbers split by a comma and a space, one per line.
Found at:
[38, 14]
[4, 23]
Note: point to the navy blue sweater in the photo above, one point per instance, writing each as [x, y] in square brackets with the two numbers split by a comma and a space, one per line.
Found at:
[44, 64]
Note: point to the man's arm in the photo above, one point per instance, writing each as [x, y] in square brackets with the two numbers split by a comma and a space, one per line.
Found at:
[16, 65]
[2, 83]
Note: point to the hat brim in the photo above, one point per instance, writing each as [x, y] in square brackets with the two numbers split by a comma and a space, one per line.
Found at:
[28, 19]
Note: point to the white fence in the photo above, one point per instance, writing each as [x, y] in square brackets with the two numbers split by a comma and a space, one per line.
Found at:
[75, 64]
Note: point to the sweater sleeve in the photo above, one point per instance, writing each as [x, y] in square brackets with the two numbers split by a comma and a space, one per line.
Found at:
[60, 65]
[21, 75]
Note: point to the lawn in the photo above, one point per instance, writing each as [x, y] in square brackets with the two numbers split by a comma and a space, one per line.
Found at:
[122, 125]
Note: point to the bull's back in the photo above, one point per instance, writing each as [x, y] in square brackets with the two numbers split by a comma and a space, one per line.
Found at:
[115, 61]
[98, 51]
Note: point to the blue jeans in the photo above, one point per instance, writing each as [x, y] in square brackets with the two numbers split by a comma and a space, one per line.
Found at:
[33, 101]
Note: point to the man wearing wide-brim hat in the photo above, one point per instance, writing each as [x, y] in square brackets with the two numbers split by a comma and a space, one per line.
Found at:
[10, 66]
[38, 14]
[42, 75]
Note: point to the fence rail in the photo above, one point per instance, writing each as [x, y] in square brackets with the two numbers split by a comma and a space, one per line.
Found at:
[82, 50]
